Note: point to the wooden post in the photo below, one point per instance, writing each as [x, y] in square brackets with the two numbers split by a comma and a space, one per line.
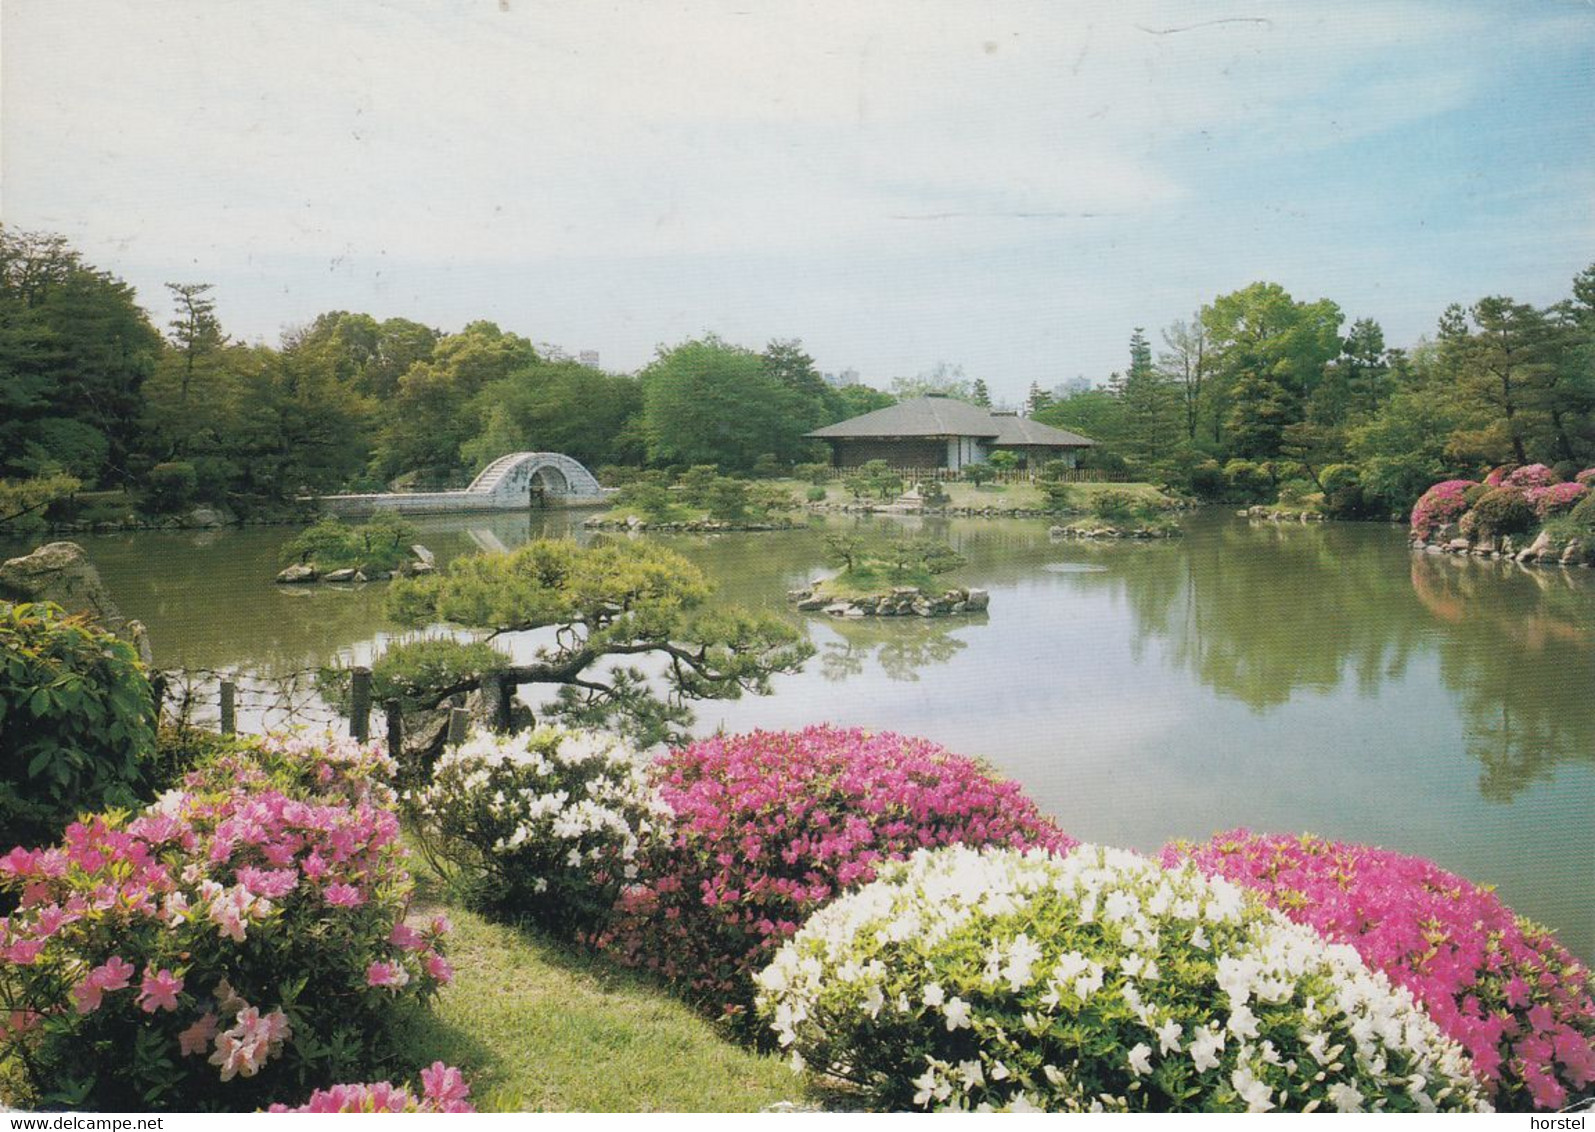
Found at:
[395, 728]
[459, 718]
[360, 704]
[158, 694]
[229, 694]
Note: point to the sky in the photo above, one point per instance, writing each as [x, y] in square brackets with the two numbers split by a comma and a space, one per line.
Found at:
[1008, 187]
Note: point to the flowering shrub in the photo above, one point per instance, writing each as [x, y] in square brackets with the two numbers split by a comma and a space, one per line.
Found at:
[77, 722]
[967, 979]
[443, 1089]
[1530, 475]
[1586, 477]
[1558, 497]
[770, 826]
[219, 949]
[1497, 476]
[1441, 504]
[546, 823]
[1506, 990]
[327, 767]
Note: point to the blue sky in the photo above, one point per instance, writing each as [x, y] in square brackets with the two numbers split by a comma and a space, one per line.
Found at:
[1009, 187]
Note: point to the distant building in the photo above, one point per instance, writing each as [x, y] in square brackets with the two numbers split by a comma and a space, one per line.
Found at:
[939, 432]
[588, 358]
[841, 380]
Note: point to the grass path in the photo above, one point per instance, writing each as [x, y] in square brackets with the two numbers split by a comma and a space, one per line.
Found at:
[540, 1026]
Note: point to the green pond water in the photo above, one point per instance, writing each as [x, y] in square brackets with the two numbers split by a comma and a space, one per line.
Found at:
[1284, 678]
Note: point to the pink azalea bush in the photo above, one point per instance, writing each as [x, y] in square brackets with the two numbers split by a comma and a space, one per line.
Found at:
[1531, 475]
[1556, 498]
[1501, 987]
[226, 945]
[443, 1089]
[1443, 503]
[1586, 477]
[770, 826]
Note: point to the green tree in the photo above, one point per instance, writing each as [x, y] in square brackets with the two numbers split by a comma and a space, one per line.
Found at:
[979, 394]
[1504, 366]
[856, 400]
[709, 402]
[74, 347]
[609, 604]
[1149, 401]
[944, 379]
[1269, 354]
[435, 411]
[559, 406]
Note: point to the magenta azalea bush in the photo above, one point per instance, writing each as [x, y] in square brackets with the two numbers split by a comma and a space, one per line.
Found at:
[1443, 503]
[227, 946]
[443, 1089]
[770, 826]
[1501, 987]
[1531, 475]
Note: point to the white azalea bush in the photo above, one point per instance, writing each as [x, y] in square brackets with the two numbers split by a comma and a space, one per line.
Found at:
[545, 824]
[965, 979]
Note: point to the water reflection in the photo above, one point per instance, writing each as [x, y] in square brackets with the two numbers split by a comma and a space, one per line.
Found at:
[899, 646]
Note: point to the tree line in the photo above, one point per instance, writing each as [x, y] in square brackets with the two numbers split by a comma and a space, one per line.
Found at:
[1256, 391]
[94, 395]
[1260, 391]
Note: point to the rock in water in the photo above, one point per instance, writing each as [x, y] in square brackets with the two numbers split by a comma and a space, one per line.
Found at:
[60, 572]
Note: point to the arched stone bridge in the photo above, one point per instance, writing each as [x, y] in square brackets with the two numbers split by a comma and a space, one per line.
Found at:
[511, 483]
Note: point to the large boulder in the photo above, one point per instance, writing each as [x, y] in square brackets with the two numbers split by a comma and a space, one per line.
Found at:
[61, 573]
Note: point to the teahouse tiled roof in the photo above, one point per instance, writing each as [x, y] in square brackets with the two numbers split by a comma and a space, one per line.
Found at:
[944, 416]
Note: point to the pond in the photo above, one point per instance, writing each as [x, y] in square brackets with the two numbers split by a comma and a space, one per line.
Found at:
[1286, 678]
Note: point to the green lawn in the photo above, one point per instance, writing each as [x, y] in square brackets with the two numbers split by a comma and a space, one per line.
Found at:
[537, 1025]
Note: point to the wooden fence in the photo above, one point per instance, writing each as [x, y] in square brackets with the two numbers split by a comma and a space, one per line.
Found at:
[194, 697]
[994, 475]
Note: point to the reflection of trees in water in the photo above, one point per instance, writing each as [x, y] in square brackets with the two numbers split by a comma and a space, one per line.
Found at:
[901, 646]
[1520, 649]
[1258, 613]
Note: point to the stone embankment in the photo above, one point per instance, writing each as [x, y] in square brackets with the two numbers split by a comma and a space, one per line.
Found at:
[686, 526]
[1281, 515]
[1540, 551]
[304, 573]
[899, 601]
[1100, 530]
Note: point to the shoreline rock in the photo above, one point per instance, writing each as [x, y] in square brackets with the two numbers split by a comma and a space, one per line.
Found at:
[1539, 552]
[1104, 531]
[899, 601]
[689, 526]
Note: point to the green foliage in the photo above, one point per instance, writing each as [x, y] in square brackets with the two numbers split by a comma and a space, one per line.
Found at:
[23, 503]
[815, 494]
[77, 721]
[708, 402]
[767, 467]
[171, 486]
[979, 474]
[1248, 482]
[1059, 496]
[908, 561]
[415, 672]
[653, 501]
[932, 493]
[381, 543]
[1054, 471]
[562, 406]
[874, 477]
[697, 483]
[1501, 511]
[613, 598]
[1003, 460]
[1119, 507]
[816, 474]
[846, 551]
[1296, 491]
